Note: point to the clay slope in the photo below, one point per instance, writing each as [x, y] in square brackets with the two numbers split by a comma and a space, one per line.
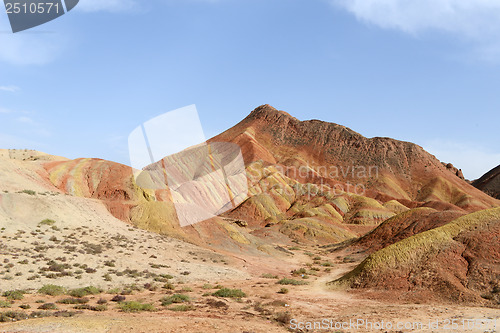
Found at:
[30, 184]
[404, 225]
[336, 155]
[490, 183]
[459, 261]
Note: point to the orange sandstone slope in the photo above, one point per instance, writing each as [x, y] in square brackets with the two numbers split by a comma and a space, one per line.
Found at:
[390, 169]
[114, 185]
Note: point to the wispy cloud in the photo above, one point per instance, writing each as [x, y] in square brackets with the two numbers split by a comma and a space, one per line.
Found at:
[9, 88]
[476, 21]
[474, 160]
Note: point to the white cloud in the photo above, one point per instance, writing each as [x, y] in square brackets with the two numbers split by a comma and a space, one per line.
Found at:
[474, 160]
[9, 88]
[476, 21]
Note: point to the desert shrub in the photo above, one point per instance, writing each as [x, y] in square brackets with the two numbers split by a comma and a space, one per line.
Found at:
[47, 222]
[118, 298]
[134, 306]
[73, 300]
[269, 276]
[25, 306]
[100, 307]
[182, 307]
[51, 290]
[48, 306]
[109, 263]
[168, 286]
[287, 281]
[101, 301]
[14, 294]
[4, 304]
[283, 291]
[283, 317]
[207, 286]
[300, 271]
[65, 313]
[30, 192]
[177, 298]
[12, 316]
[226, 292]
[82, 292]
[217, 304]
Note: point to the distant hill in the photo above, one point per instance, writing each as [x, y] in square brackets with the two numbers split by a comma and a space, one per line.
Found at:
[490, 183]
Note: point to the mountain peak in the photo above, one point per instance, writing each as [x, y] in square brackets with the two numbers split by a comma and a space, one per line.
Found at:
[267, 111]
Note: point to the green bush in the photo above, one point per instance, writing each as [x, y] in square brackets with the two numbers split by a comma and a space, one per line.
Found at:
[82, 292]
[73, 300]
[293, 282]
[283, 291]
[4, 304]
[14, 294]
[48, 306]
[269, 276]
[30, 192]
[47, 222]
[12, 316]
[100, 307]
[51, 290]
[177, 298]
[226, 292]
[300, 271]
[182, 307]
[134, 306]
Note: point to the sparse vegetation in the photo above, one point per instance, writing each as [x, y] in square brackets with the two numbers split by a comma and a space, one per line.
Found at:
[14, 294]
[288, 281]
[48, 306]
[47, 222]
[182, 307]
[82, 292]
[4, 304]
[269, 276]
[134, 306]
[283, 291]
[232, 293]
[177, 298]
[52, 290]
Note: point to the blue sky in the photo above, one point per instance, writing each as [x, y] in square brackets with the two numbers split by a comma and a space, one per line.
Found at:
[429, 74]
